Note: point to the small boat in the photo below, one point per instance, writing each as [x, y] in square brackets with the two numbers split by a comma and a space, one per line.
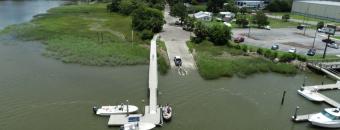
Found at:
[328, 118]
[138, 126]
[112, 110]
[167, 112]
[311, 95]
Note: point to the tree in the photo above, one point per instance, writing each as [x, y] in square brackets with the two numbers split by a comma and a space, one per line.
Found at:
[179, 10]
[189, 23]
[260, 19]
[147, 18]
[231, 7]
[127, 6]
[215, 6]
[113, 7]
[243, 10]
[320, 24]
[241, 20]
[201, 31]
[279, 6]
[285, 17]
[219, 34]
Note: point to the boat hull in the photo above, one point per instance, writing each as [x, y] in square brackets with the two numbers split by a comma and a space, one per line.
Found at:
[138, 126]
[325, 125]
[310, 95]
[113, 110]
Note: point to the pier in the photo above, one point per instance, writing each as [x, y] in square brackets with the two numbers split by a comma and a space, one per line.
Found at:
[329, 67]
[331, 102]
[153, 112]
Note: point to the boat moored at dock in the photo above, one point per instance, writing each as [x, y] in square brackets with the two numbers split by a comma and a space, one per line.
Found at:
[167, 112]
[328, 118]
[138, 126]
[112, 110]
[310, 94]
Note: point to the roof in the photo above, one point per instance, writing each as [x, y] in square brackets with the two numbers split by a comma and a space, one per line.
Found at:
[322, 2]
[202, 14]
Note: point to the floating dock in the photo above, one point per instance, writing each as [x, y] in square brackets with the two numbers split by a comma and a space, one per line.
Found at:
[153, 111]
[325, 87]
[301, 118]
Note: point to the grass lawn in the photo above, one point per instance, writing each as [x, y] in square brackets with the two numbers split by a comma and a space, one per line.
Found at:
[162, 59]
[200, 7]
[223, 61]
[84, 34]
[301, 17]
[274, 23]
[337, 37]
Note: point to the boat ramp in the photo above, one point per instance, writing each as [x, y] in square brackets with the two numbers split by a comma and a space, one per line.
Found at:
[333, 103]
[152, 111]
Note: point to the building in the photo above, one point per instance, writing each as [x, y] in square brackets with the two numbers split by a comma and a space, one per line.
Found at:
[226, 16]
[257, 4]
[329, 10]
[206, 16]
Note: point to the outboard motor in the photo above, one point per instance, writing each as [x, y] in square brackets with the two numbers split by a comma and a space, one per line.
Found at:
[94, 108]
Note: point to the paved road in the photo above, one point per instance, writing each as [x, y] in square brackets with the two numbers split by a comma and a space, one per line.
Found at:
[286, 38]
[175, 40]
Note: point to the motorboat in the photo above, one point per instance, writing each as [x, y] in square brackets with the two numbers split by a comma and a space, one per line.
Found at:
[310, 94]
[138, 126]
[328, 118]
[167, 112]
[112, 110]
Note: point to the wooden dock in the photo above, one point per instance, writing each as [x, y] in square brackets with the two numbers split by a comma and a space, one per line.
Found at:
[328, 100]
[153, 112]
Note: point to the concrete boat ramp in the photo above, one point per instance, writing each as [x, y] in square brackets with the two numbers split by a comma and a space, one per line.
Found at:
[333, 103]
[153, 113]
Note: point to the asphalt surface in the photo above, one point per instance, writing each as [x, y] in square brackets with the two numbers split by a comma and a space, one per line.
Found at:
[175, 39]
[286, 38]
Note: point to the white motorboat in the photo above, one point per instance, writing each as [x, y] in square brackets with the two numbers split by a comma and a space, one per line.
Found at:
[138, 126]
[310, 95]
[112, 110]
[329, 118]
[167, 112]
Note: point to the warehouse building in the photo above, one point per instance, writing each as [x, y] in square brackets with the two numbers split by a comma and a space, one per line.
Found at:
[329, 10]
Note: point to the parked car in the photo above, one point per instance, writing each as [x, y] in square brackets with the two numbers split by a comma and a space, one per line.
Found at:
[300, 27]
[311, 52]
[328, 41]
[239, 39]
[178, 61]
[267, 27]
[292, 50]
[177, 23]
[321, 30]
[333, 45]
[275, 47]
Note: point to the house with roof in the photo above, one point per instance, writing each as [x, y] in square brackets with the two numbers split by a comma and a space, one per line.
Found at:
[205, 16]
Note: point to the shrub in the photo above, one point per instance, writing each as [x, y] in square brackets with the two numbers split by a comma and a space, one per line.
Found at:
[244, 48]
[147, 34]
[320, 24]
[287, 57]
[260, 51]
[301, 58]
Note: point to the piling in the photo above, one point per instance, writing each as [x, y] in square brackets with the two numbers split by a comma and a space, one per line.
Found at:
[296, 111]
[283, 97]
[127, 107]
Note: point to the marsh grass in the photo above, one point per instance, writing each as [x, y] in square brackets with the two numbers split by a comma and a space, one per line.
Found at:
[225, 61]
[84, 34]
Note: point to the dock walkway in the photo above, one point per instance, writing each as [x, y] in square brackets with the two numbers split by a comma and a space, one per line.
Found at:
[153, 111]
[301, 118]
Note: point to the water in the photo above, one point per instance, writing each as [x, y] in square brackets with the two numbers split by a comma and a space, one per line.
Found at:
[15, 12]
[40, 93]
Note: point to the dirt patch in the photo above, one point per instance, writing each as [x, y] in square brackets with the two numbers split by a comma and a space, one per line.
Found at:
[294, 44]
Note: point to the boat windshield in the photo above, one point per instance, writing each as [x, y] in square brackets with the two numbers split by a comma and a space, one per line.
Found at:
[328, 115]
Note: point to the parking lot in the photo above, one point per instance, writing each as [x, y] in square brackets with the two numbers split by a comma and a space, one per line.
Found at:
[286, 38]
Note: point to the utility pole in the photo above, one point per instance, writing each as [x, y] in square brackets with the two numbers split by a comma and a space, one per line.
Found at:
[324, 52]
[316, 31]
[303, 22]
[132, 38]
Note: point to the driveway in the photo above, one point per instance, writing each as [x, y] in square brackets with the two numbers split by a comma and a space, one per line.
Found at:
[175, 41]
[286, 38]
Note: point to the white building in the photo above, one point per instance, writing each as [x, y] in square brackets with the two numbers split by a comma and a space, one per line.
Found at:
[226, 16]
[319, 9]
[257, 4]
[206, 16]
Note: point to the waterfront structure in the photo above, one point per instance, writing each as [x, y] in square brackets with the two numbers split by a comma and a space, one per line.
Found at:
[251, 4]
[329, 10]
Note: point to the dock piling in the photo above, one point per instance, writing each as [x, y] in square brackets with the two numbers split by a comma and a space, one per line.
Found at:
[283, 97]
[127, 107]
[296, 111]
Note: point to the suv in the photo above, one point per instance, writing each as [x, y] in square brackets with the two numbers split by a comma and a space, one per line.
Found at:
[292, 50]
[275, 47]
[178, 61]
[333, 45]
[311, 52]
[328, 41]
